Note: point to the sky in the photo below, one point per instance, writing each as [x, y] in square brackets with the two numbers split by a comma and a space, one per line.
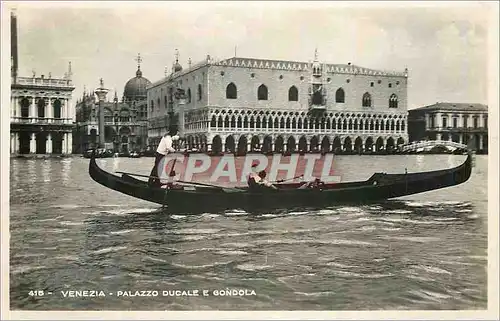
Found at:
[444, 46]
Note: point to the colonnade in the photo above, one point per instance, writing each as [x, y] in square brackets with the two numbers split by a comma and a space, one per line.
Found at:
[20, 141]
[50, 105]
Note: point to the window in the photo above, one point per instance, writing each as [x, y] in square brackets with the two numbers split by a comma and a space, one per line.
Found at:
[367, 100]
[189, 95]
[393, 101]
[371, 84]
[293, 94]
[475, 122]
[455, 122]
[41, 108]
[152, 105]
[390, 85]
[485, 122]
[231, 91]
[340, 96]
[466, 118]
[199, 92]
[262, 92]
[25, 107]
[445, 122]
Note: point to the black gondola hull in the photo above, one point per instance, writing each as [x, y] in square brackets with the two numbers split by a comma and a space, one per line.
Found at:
[377, 188]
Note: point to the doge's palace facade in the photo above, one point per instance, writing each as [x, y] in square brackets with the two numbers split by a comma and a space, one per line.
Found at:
[245, 104]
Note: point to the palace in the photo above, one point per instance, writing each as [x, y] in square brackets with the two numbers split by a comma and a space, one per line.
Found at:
[458, 122]
[41, 112]
[125, 123]
[246, 104]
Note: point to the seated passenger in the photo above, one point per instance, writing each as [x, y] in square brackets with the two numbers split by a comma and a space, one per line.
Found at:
[253, 178]
[263, 182]
[317, 183]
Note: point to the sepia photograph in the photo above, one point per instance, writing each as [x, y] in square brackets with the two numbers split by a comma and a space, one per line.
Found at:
[249, 159]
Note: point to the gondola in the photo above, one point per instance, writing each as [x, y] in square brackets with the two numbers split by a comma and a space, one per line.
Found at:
[197, 196]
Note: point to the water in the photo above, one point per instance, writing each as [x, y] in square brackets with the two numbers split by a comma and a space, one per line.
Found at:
[421, 252]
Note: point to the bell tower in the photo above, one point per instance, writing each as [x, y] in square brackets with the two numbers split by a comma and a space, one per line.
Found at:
[317, 89]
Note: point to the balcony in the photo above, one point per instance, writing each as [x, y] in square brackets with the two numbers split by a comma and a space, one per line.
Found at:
[44, 82]
[458, 129]
[41, 121]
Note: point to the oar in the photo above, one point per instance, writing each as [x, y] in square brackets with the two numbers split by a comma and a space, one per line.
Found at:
[138, 175]
[232, 189]
[290, 179]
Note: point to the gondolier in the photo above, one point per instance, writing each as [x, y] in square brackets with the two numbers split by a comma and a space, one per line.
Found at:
[165, 147]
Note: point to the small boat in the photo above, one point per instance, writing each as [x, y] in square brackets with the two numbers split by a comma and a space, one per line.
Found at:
[187, 197]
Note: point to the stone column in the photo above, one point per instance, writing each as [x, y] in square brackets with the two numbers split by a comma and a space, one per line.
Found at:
[18, 107]
[460, 138]
[63, 110]
[16, 142]
[12, 143]
[68, 111]
[69, 149]
[49, 111]
[12, 107]
[481, 142]
[64, 140]
[48, 144]
[32, 110]
[33, 143]
[71, 114]
[438, 136]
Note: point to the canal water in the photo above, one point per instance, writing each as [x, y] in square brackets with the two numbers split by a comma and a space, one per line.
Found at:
[425, 251]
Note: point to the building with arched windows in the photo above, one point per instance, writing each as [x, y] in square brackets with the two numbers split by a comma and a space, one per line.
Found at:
[41, 112]
[455, 122]
[125, 121]
[246, 104]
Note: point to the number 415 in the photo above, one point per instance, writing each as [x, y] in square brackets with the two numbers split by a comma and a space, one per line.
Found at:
[36, 293]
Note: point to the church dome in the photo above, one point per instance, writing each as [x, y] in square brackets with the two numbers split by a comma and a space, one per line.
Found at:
[135, 88]
[177, 67]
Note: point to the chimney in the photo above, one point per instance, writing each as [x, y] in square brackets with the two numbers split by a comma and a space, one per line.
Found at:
[13, 43]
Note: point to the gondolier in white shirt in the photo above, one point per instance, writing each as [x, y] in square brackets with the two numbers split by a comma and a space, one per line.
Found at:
[165, 147]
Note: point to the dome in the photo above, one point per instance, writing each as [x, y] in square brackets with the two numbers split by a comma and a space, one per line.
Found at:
[177, 67]
[135, 88]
